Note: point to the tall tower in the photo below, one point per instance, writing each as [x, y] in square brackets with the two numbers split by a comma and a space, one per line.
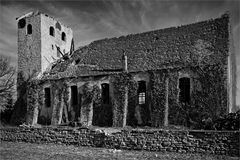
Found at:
[39, 35]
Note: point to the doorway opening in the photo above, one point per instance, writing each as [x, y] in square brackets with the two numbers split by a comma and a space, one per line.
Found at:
[102, 113]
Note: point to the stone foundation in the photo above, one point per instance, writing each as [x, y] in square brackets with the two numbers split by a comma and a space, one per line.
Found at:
[210, 142]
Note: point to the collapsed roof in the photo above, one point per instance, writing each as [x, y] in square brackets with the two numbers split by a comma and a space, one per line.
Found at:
[188, 45]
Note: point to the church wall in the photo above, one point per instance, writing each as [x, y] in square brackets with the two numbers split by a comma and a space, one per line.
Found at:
[45, 112]
[208, 97]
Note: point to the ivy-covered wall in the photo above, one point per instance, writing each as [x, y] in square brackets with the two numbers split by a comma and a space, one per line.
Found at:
[211, 100]
[62, 110]
[176, 115]
[32, 103]
[208, 99]
[158, 100]
[121, 84]
[207, 102]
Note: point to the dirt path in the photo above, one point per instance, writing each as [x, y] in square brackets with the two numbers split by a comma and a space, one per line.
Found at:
[25, 151]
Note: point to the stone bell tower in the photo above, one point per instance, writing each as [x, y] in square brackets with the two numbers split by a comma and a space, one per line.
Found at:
[39, 36]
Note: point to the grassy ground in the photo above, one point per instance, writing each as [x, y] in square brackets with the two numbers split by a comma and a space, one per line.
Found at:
[25, 151]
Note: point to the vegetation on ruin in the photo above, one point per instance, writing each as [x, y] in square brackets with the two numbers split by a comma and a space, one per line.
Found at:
[90, 98]
[158, 99]
[229, 121]
[123, 83]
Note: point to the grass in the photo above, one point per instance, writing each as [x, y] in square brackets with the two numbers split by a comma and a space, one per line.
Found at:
[25, 151]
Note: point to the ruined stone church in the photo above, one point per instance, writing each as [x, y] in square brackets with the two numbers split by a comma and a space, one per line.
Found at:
[172, 76]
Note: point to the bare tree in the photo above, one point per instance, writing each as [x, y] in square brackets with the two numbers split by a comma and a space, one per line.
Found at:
[7, 82]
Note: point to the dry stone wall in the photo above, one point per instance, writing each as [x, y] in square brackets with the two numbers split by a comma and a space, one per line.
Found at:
[182, 141]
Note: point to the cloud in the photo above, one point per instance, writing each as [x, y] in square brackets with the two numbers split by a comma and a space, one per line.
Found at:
[8, 32]
[97, 19]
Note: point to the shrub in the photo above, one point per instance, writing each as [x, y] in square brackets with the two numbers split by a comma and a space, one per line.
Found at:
[230, 121]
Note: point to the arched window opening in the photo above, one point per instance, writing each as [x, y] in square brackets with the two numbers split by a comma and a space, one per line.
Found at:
[47, 97]
[74, 95]
[141, 92]
[77, 61]
[184, 87]
[58, 26]
[105, 93]
[63, 36]
[29, 29]
[51, 31]
[21, 23]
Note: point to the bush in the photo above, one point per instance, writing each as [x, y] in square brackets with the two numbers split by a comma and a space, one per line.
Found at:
[195, 117]
[230, 121]
[5, 114]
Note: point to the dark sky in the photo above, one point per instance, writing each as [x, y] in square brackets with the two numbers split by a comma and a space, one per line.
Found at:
[97, 19]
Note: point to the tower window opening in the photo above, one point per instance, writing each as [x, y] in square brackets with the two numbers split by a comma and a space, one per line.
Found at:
[141, 92]
[29, 29]
[58, 26]
[63, 36]
[184, 87]
[77, 61]
[74, 95]
[47, 97]
[105, 93]
[51, 31]
[21, 23]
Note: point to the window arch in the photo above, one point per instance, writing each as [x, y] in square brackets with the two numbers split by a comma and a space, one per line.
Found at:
[58, 26]
[29, 29]
[184, 87]
[21, 23]
[63, 36]
[51, 31]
